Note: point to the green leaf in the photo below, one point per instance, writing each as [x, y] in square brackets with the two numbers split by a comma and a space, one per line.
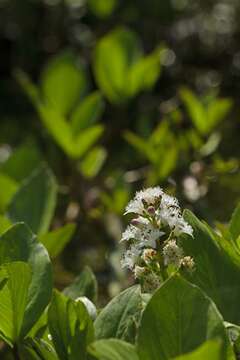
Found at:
[84, 285]
[63, 82]
[86, 139]
[56, 240]
[92, 162]
[234, 225]
[120, 318]
[5, 224]
[36, 349]
[170, 324]
[216, 112]
[141, 145]
[8, 188]
[13, 299]
[111, 72]
[35, 201]
[195, 109]
[101, 8]
[112, 349]
[144, 74]
[87, 113]
[70, 326]
[20, 244]
[211, 349]
[217, 273]
[22, 162]
[57, 127]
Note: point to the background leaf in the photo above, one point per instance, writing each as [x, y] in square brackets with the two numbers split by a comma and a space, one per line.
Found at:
[35, 201]
[84, 285]
[56, 240]
[63, 82]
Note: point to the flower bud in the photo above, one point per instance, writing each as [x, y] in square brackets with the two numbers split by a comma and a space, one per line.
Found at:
[188, 263]
[149, 255]
[151, 210]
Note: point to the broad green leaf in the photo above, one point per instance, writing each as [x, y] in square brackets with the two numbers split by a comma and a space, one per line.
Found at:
[34, 203]
[195, 109]
[216, 272]
[84, 285]
[8, 187]
[86, 139]
[234, 225]
[211, 349]
[57, 127]
[56, 240]
[92, 162]
[101, 8]
[22, 162]
[120, 318]
[13, 297]
[5, 224]
[87, 113]
[63, 83]
[70, 326]
[167, 162]
[20, 244]
[36, 349]
[112, 349]
[178, 318]
[216, 111]
[144, 74]
[141, 145]
[111, 72]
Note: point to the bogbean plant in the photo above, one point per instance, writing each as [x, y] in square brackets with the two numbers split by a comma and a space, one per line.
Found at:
[184, 305]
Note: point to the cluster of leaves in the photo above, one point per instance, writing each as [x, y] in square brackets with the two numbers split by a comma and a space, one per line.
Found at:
[39, 323]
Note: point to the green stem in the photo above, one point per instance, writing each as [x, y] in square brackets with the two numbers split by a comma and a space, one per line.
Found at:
[15, 353]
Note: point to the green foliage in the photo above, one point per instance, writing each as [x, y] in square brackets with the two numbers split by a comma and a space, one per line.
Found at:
[84, 285]
[125, 65]
[35, 201]
[113, 349]
[171, 326]
[66, 112]
[102, 9]
[20, 244]
[14, 297]
[56, 240]
[120, 318]
[205, 117]
[211, 349]
[70, 326]
[234, 225]
[63, 83]
[216, 272]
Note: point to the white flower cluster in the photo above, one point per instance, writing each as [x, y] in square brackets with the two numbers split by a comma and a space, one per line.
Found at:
[153, 232]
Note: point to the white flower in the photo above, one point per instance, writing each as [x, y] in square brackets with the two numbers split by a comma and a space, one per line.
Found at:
[130, 257]
[149, 196]
[172, 253]
[129, 233]
[144, 233]
[182, 227]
